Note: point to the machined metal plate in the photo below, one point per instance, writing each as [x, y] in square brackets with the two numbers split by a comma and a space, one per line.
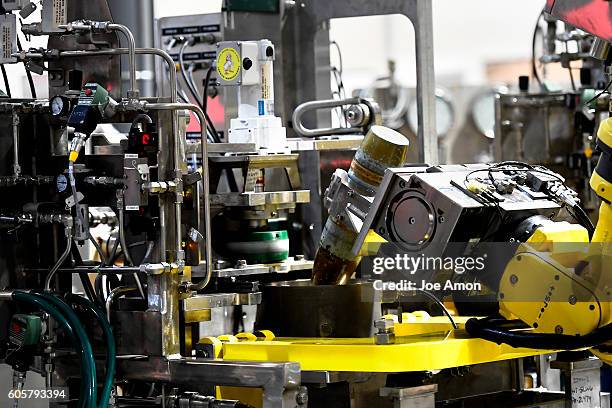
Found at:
[213, 300]
[327, 143]
[295, 145]
[281, 267]
[259, 199]
[220, 148]
[257, 161]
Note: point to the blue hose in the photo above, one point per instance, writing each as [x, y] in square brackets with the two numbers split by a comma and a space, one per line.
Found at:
[82, 335]
[85, 399]
[111, 352]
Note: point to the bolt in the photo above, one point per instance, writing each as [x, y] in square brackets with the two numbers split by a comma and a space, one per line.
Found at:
[325, 330]
[513, 279]
[302, 397]
[572, 300]
[559, 329]
[384, 325]
[402, 184]
[411, 220]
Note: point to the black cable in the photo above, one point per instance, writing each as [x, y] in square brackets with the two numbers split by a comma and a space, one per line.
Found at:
[488, 329]
[569, 68]
[205, 94]
[340, 63]
[604, 91]
[231, 179]
[87, 286]
[193, 91]
[28, 73]
[83, 276]
[503, 169]
[209, 122]
[534, 69]
[583, 219]
[7, 87]
[439, 303]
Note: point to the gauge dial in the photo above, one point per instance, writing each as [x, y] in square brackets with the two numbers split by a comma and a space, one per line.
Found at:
[445, 114]
[58, 105]
[483, 114]
[61, 183]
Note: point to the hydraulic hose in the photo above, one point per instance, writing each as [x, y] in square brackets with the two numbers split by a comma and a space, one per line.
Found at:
[126, 253]
[86, 398]
[81, 334]
[111, 351]
[488, 329]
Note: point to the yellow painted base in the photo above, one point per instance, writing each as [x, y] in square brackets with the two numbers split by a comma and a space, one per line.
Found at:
[434, 351]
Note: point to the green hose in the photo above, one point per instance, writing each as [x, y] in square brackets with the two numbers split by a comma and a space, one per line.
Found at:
[85, 400]
[111, 352]
[82, 335]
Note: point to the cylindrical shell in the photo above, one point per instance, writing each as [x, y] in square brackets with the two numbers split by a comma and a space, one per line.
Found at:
[381, 148]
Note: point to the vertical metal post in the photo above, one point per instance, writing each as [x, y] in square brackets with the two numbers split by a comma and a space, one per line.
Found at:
[426, 85]
[16, 166]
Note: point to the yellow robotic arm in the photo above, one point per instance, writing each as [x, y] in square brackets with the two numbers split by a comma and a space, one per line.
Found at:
[559, 283]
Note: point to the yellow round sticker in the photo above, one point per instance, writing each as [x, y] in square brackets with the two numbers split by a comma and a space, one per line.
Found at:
[228, 64]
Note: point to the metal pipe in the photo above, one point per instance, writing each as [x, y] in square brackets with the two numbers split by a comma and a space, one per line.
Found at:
[133, 92]
[118, 51]
[205, 179]
[16, 166]
[60, 261]
[110, 270]
[116, 293]
[299, 127]
[6, 294]
[173, 91]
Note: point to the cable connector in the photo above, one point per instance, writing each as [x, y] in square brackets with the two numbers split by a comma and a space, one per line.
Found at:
[76, 144]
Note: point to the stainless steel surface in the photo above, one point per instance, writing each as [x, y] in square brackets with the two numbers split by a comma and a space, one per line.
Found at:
[279, 381]
[252, 199]
[288, 265]
[203, 302]
[582, 382]
[301, 309]
[206, 183]
[343, 142]
[414, 397]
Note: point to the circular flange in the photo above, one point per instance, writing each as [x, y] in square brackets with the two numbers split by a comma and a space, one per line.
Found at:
[411, 220]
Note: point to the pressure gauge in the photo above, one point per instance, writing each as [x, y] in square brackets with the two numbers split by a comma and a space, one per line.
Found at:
[61, 183]
[59, 105]
[483, 114]
[445, 114]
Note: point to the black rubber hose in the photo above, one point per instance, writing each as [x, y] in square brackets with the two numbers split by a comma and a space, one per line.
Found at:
[7, 86]
[492, 331]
